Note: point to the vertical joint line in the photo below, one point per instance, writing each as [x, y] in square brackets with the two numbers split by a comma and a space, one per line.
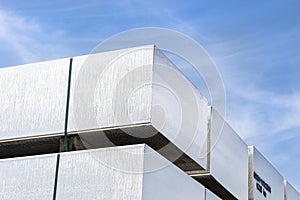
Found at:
[56, 176]
[66, 143]
[208, 140]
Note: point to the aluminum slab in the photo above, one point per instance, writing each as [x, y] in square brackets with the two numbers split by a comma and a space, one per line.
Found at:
[290, 193]
[27, 178]
[110, 91]
[228, 157]
[33, 99]
[265, 182]
[141, 89]
[123, 173]
[227, 161]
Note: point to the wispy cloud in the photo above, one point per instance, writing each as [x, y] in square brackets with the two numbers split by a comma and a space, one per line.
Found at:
[27, 40]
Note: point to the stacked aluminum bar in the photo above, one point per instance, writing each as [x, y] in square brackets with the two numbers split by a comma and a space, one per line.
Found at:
[116, 98]
[128, 93]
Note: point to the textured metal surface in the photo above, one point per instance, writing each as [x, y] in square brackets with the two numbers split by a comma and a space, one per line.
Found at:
[122, 173]
[27, 178]
[178, 109]
[210, 196]
[33, 99]
[268, 176]
[111, 89]
[290, 192]
[169, 182]
[125, 87]
[228, 158]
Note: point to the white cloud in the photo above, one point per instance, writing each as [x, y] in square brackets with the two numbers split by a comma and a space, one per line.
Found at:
[256, 112]
[28, 39]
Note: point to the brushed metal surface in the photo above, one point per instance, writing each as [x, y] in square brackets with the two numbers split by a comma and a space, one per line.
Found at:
[210, 196]
[108, 90]
[123, 173]
[33, 99]
[111, 89]
[130, 87]
[268, 174]
[290, 193]
[178, 109]
[228, 158]
[27, 178]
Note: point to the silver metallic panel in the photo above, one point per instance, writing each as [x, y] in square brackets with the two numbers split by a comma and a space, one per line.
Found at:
[130, 87]
[27, 178]
[265, 180]
[210, 196]
[178, 109]
[111, 89]
[123, 173]
[228, 157]
[168, 182]
[33, 99]
[101, 174]
[290, 192]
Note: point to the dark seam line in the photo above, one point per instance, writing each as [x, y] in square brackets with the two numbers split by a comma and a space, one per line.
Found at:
[56, 176]
[66, 144]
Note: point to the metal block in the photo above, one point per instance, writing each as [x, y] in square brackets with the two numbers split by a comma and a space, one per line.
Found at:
[290, 193]
[227, 161]
[120, 97]
[128, 172]
[33, 99]
[138, 96]
[27, 178]
[265, 182]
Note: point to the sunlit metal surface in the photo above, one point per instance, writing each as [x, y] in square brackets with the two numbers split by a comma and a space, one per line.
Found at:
[228, 157]
[123, 173]
[115, 89]
[33, 99]
[290, 192]
[265, 182]
[27, 177]
[138, 86]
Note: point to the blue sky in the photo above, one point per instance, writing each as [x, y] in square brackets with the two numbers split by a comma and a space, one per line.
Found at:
[255, 44]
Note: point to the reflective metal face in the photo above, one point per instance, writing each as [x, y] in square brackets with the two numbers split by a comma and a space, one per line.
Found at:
[27, 177]
[121, 173]
[290, 192]
[265, 182]
[228, 157]
[33, 99]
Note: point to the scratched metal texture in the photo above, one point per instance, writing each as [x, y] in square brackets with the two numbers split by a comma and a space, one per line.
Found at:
[33, 99]
[111, 89]
[123, 173]
[119, 88]
[27, 178]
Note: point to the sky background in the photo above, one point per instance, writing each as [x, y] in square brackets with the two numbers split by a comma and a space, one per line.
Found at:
[255, 45]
